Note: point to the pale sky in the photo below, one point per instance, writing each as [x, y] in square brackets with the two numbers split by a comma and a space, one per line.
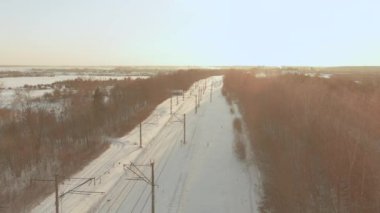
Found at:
[190, 32]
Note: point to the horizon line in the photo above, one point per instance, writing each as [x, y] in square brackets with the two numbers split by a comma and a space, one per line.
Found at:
[195, 66]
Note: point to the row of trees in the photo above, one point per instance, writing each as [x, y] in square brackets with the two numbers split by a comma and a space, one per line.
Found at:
[39, 142]
[316, 141]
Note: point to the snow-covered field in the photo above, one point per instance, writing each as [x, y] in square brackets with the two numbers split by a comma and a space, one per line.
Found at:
[9, 85]
[306, 73]
[14, 82]
[203, 175]
[7, 96]
[42, 68]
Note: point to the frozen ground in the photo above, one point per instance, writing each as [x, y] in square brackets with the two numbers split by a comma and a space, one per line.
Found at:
[310, 74]
[7, 96]
[14, 82]
[9, 85]
[43, 68]
[202, 175]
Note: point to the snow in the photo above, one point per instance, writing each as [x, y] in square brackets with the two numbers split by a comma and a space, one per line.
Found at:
[261, 75]
[7, 96]
[8, 85]
[46, 68]
[325, 75]
[14, 82]
[309, 74]
[202, 175]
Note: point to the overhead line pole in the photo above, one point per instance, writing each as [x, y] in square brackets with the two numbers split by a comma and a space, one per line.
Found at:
[56, 190]
[56, 194]
[56, 185]
[184, 128]
[211, 92]
[199, 98]
[152, 184]
[171, 103]
[141, 176]
[140, 135]
[196, 103]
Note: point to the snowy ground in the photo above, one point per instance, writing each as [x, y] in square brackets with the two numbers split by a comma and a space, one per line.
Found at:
[9, 85]
[203, 175]
[310, 74]
[14, 82]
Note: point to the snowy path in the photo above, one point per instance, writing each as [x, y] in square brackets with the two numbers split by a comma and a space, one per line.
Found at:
[202, 175]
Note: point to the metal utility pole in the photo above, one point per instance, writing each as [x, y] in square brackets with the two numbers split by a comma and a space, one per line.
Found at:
[184, 128]
[196, 103]
[177, 99]
[73, 190]
[171, 103]
[55, 180]
[211, 92]
[152, 184]
[56, 194]
[199, 98]
[183, 95]
[139, 175]
[140, 135]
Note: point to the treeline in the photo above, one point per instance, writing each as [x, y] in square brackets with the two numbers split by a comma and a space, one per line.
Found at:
[316, 141]
[41, 142]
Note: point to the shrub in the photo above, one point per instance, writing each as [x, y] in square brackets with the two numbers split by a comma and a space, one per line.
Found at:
[40, 143]
[316, 140]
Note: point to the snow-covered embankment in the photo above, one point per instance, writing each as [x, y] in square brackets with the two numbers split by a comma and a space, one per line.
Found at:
[202, 175]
